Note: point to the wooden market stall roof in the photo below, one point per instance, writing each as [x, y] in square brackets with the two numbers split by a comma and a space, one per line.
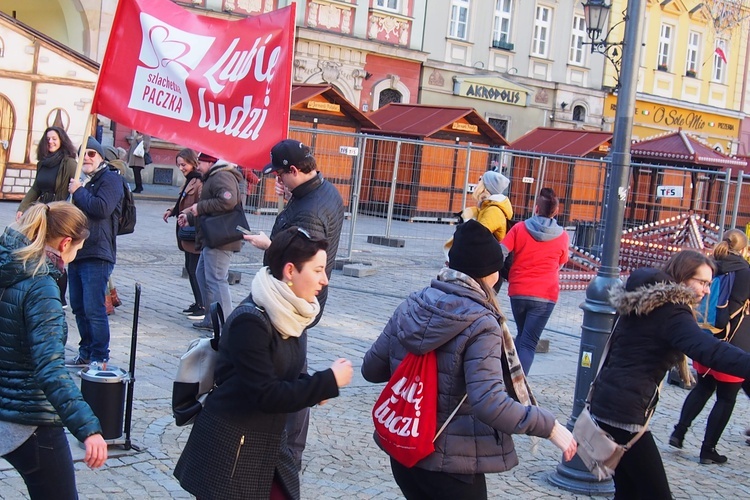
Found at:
[423, 121]
[566, 142]
[681, 148]
[324, 93]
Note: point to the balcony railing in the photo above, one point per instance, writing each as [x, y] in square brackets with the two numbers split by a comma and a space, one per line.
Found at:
[502, 44]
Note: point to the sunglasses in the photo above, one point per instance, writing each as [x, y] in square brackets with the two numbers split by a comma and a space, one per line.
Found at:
[91, 153]
[299, 232]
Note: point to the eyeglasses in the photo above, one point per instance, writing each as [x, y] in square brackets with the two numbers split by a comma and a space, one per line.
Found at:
[300, 232]
[91, 154]
[304, 233]
[702, 283]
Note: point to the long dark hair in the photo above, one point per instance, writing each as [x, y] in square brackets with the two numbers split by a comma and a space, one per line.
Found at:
[66, 145]
[682, 265]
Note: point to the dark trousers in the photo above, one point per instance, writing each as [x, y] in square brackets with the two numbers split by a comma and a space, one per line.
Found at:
[62, 284]
[138, 180]
[298, 423]
[531, 317]
[420, 484]
[191, 264]
[726, 396]
[640, 473]
[46, 465]
[88, 282]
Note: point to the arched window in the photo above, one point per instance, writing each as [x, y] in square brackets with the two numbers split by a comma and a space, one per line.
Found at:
[388, 96]
[579, 114]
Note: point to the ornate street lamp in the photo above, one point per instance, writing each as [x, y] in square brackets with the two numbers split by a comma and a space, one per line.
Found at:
[595, 14]
[598, 314]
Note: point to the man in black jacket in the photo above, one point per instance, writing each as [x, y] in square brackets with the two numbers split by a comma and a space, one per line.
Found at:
[315, 205]
[99, 196]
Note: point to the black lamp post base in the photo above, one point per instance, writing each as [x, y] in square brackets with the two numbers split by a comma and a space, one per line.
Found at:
[579, 480]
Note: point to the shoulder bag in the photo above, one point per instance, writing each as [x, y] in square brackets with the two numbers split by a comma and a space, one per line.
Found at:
[219, 230]
[597, 449]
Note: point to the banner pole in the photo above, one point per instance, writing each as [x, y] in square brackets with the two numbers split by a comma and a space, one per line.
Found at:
[87, 132]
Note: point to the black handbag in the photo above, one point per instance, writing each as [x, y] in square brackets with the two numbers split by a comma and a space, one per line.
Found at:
[186, 233]
[147, 158]
[220, 230]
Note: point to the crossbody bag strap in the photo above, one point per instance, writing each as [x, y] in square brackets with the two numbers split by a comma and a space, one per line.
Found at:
[450, 417]
[603, 359]
[640, 434]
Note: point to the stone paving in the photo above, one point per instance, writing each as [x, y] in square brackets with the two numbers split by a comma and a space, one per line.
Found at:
[341, 460]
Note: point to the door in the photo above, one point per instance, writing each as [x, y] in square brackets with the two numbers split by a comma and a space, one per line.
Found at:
[7, 125]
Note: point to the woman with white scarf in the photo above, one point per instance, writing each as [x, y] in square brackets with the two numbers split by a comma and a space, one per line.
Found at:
[237, 448]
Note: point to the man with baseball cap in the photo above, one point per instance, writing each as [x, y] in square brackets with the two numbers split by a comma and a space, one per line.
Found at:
[315, 205]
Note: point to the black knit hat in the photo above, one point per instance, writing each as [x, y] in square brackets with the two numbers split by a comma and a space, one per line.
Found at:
[475, 251]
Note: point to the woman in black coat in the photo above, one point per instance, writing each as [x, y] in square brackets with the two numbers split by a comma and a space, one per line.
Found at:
[655, 330]
[728, 255]
[237, 448]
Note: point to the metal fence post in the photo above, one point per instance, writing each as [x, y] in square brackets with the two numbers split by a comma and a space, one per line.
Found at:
[736, 204]
[356, 191]
[392, 195]
[466, 177]
[724, 202]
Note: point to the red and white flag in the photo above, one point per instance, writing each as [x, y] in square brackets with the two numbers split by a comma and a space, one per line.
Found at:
[720, 52]
[218, 86]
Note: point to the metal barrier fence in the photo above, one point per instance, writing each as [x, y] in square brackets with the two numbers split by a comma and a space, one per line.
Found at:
[412, 190]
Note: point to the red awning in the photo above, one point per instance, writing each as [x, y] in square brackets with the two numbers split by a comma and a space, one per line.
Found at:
[681, 148]
[567, 142]
[422, 120]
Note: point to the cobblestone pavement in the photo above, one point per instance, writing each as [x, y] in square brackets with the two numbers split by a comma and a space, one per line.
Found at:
[341, 460]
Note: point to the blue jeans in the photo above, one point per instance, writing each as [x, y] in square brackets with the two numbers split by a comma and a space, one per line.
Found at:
[45, 464]
[87, 286]
[531, 317]
[212, 274]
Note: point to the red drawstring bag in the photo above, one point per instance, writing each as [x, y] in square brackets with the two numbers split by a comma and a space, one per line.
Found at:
[405, 414]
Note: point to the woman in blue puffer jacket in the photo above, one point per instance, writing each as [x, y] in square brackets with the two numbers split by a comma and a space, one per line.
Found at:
[37, 395]
[458, 318]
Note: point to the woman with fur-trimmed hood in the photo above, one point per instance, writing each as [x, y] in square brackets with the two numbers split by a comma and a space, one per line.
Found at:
[655, 331]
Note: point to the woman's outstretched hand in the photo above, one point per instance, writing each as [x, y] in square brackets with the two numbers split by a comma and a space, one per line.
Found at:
[343, 371]
[96, 451]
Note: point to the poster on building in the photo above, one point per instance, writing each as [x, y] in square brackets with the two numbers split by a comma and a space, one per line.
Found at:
[218, 86]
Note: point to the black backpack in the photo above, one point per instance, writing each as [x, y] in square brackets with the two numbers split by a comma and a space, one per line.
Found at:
[127, 215]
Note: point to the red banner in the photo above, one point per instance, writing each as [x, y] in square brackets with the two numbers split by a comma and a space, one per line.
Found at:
[219, 86]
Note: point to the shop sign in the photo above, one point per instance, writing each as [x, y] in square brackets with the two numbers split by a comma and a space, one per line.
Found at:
[669, 191]
[668, 116]
[491, 89]
[323, 106]
[465, 127]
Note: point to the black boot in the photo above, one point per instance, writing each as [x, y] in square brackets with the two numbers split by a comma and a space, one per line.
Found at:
[711, 456]
[678, 436]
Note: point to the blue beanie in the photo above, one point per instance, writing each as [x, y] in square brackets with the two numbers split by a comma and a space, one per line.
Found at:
[94, 144]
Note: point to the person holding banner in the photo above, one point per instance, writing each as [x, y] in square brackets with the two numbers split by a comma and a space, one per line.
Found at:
[56, 165]
[316, 206]
[219, 195]
[99, 196]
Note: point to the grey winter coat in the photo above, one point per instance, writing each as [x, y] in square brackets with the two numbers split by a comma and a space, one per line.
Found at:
[220, 194]
[35, 386]
[455, 322]
[656, 326]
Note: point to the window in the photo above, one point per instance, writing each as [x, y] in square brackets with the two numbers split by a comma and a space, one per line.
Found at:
[693, 53]
[542, 24]
[459, 18]
[577, 38]
[501, 26]
[720, 61]
[388, 96]
[501, 126]
[387, 4]
[579, 114]
[665, 47]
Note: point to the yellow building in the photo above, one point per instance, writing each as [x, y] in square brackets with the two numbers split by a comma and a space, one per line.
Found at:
[691, 70]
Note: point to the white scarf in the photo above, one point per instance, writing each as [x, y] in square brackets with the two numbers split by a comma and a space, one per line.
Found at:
[87, 177]
[288, 313]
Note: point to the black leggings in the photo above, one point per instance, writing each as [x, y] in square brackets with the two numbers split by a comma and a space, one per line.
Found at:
[726, 395]
[191, 264]
[640, 473]
[421, 484]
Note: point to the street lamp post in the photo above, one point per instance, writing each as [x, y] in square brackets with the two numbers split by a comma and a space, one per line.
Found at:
[598, 314]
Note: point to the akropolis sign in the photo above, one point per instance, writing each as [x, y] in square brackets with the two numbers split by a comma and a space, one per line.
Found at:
[491, 89]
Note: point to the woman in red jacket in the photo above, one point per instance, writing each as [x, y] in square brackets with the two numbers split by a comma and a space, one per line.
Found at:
[540, 248]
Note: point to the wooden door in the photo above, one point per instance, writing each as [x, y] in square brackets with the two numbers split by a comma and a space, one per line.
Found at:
[7, 125]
